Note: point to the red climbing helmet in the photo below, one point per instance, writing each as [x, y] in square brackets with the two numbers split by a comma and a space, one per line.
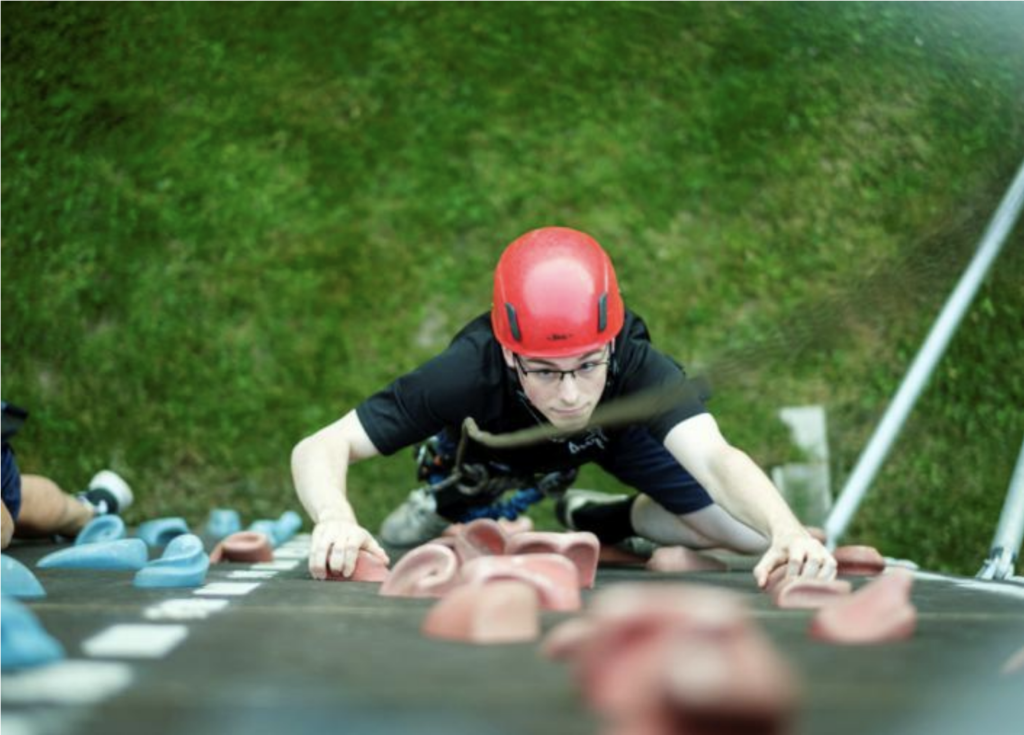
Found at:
[555, 295]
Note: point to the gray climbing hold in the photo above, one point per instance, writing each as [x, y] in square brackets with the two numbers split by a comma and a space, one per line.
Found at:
[126, 553]
[101, 528]
[24, 641]
[183, 564]
[222, 522]
[161, 531]
[280, 530]
[17, 580]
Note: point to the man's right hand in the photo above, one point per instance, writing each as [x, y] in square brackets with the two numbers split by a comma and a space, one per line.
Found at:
[335, 548]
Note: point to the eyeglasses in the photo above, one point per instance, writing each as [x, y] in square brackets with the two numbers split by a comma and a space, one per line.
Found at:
[549, 377]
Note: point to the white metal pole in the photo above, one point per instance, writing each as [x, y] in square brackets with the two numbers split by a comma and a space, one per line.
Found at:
[924, 364]
[1010, 531]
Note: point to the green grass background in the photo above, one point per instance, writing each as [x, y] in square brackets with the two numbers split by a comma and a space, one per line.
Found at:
[225, 224]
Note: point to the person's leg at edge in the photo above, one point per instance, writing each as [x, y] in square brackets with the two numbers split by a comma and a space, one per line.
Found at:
[11, 493]
[8, 527]
[47, 510]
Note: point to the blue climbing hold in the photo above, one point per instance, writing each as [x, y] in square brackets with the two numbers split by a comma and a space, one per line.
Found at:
[24, 641]
[222, 522]
[287, 525]
[126, 553]
[281, 530]
[17, 580]
[101, 528]
[161, 531]
[267, 528]
[183, 564]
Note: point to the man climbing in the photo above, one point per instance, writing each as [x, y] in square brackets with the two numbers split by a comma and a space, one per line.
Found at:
[557, 344]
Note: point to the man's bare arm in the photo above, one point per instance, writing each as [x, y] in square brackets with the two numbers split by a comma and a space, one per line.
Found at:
[320, 465]
[736, 483]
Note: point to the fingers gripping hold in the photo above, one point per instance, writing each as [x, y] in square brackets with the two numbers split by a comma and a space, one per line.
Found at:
[342, 559]
[335, 548]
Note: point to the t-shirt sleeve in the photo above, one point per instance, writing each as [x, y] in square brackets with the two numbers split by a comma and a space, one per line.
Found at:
[648, 370]
[419, 404]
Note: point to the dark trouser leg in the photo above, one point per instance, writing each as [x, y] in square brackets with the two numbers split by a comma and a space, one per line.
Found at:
[636, 459]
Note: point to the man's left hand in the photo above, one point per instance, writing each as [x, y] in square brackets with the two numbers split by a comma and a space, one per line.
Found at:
[801, 553]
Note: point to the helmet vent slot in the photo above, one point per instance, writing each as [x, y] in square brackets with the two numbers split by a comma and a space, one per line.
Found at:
[513, 322]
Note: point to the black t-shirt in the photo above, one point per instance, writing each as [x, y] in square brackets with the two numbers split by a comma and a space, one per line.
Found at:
[470, 378]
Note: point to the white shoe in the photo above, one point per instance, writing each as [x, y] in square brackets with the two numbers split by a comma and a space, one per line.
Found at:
[108, 493]
[413, 522]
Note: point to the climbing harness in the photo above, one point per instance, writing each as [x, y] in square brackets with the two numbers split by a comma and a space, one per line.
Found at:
[467, 491]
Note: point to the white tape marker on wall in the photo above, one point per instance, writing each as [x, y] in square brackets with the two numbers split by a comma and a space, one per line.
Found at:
[231, 589]
[67, 682]
[135, 641]
[188, 608]
[282, 565]
[251, 574]
[293, 553]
